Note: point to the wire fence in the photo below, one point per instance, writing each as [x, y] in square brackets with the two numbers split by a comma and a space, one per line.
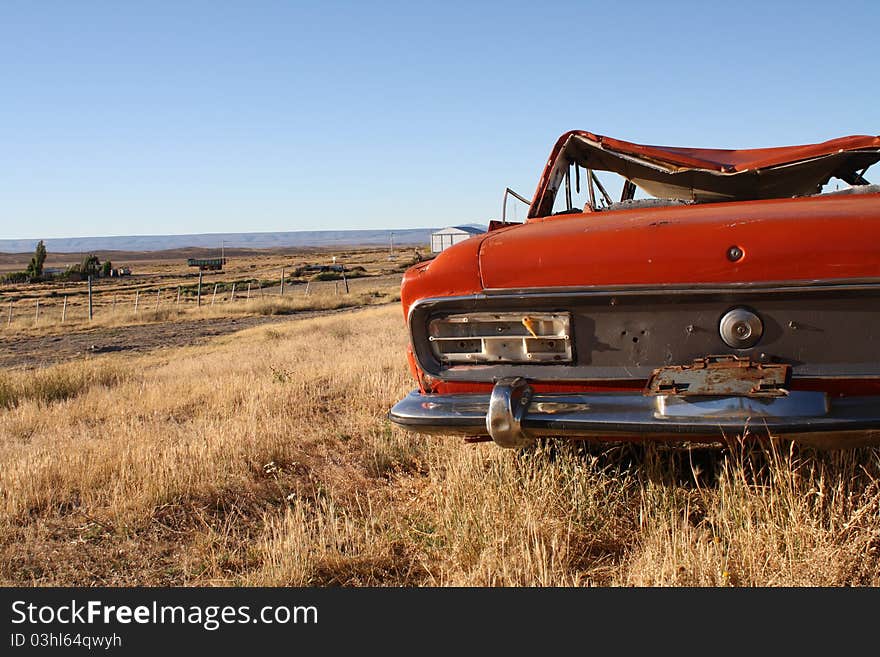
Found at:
[157, 303]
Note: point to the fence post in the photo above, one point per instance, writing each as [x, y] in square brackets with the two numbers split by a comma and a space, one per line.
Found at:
[232, 298]
[37, 315]
[9, 321]
[158, 292]
[64, 310]
[199, 291]
[336, 287]
[248, 297]
[137, 297]
[215, 293]
[344, 279]
[90, 299]
[178, 296]
[308, 283]
[282, 281]
[114, 302]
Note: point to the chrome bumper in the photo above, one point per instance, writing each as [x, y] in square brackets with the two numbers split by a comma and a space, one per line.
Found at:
[513, 415]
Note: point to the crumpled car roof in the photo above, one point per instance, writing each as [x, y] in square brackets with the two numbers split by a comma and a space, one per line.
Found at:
[733, 160]
[709, 174]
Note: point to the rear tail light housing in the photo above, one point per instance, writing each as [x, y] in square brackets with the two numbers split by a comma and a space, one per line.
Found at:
[501, 338]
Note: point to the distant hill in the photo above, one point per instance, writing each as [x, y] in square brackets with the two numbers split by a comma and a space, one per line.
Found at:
[304, 238]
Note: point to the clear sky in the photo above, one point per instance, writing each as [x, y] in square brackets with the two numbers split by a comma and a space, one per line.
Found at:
[121, 118]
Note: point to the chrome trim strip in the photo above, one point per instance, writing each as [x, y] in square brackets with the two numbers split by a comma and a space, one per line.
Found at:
[807, 285]
[810, 285]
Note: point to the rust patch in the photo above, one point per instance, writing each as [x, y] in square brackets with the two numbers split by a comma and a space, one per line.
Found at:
[721, 376]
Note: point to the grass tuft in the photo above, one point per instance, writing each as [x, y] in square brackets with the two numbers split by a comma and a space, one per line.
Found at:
[56, 384]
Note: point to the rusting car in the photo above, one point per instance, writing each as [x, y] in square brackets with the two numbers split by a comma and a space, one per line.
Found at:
[708, 293]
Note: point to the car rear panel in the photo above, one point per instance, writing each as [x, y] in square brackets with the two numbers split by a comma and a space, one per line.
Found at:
[822, 330]
[811, 238]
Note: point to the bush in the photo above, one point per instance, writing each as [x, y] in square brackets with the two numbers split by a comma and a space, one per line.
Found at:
[16, 277]
[357, 272]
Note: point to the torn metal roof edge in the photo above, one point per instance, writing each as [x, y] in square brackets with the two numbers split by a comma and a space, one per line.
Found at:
[702, 174]
[730, 160]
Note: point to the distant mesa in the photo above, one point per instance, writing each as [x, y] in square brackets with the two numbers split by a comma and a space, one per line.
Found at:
[306, 238]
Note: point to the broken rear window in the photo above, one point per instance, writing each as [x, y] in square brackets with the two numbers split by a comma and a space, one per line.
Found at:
[590, 172]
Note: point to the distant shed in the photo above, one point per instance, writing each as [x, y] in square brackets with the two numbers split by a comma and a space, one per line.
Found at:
[446, 237]
[207, 264]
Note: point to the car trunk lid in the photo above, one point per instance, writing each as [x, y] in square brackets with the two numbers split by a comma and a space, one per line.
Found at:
[803, 239]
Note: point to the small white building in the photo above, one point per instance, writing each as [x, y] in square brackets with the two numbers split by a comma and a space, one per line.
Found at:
[446, 237]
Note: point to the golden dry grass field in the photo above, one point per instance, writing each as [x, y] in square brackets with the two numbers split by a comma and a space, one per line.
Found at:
[264, 457]
[162, 287]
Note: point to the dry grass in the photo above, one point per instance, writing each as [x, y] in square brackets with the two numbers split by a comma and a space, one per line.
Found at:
[151, 294]
[325, 296]
[56, 384]
[265, 458]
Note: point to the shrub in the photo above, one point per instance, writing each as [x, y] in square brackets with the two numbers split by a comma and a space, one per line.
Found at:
[16, 277]
[357, 272]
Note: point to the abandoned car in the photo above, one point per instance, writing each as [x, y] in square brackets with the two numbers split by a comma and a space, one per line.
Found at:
[660, 293]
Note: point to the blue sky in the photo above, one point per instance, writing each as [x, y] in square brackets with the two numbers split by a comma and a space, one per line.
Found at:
[121, 118]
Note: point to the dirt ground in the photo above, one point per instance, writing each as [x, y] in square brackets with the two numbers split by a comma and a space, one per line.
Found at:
[41, 350]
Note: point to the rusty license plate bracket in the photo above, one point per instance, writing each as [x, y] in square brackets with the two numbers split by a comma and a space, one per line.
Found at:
[714, 376]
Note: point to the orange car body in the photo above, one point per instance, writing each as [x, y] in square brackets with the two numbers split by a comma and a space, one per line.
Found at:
[738, 299]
